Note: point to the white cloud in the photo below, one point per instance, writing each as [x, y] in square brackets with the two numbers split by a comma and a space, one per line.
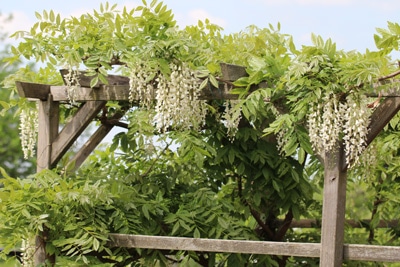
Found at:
[198, 14]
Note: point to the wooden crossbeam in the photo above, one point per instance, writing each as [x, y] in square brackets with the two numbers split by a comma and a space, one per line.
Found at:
[215, 245]
[311, 250]
[107, 92]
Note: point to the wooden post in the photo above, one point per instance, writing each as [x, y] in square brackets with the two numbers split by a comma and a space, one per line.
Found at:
[48, 130]
[333, 210]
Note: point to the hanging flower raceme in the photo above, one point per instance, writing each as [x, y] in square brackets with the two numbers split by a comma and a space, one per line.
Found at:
[232, 116]
[28, 131]
[175, 97]
[329, 121]
[71, 80]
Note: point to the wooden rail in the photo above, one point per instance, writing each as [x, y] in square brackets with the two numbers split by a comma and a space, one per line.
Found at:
[311, 250]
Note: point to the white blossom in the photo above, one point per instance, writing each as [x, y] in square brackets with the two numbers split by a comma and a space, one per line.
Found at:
[232, 116]
[72, 82]
[28, 131]
[176, 97]
[28, 250]
[328, 121]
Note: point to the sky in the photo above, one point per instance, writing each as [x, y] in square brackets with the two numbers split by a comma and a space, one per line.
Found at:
[351, 24]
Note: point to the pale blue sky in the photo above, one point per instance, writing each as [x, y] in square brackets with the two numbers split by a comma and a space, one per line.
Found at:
[350, 23]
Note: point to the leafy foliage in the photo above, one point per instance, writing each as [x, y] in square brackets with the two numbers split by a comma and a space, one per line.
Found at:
[208, 182]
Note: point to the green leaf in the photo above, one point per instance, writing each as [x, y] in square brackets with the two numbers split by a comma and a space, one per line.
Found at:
[145, 210]
[94, 81]
[213, 81]
[276, 186]
[96, 244]
[196, 233]
[257, 63]
[223, 222]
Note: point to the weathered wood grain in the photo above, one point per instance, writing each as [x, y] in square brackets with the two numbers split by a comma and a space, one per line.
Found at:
[84, 80]
[312, 250]
[215, 245]
[333, 209]
[382, 115]
[371, 253]
[90, 145]
[33, 90]
[48, 121]
[74, 128]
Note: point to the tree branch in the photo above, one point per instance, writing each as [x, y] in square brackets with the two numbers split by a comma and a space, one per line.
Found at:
[392, 75]
[253, 212]
[285, 226]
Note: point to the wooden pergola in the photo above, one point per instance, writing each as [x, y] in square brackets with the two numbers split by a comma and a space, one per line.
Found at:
[53, 144]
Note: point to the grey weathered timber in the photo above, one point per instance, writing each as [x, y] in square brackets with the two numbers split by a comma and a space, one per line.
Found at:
[112, 92]
[48, 130]
[91, 144]
[312, 250]
[72, 130]
[371, 253]
[84, 80]
[33, 90]
[215, 245]
[316, 223]
[333, 209]
[382, 115]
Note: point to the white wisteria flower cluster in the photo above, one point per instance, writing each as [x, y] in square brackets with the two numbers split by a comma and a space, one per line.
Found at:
[28, 127]
[72, 82]
[232, 116]
[28, 249]
[176, 97]
[333, 119]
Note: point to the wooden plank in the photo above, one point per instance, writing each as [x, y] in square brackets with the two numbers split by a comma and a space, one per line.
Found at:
[382, 115]
[312, 250]
[48, 130]
[84, 80]
[231, 72]
[73, 129]
[33, 90]
[316, 223]
[215, 245]
[121, 93]
[333, 210]
[94, 140]
[371, 253]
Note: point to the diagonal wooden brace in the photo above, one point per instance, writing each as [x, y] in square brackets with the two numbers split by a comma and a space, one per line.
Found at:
[72, 130]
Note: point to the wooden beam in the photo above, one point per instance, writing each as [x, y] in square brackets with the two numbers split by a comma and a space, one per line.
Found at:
[371, 253]
[33, 90]
[382, 115]
[312, 250]
[215, 245]
[91, 144]
[333, 209]
[316, 223]
[48, 130]
[71, 131]
[84, 80]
